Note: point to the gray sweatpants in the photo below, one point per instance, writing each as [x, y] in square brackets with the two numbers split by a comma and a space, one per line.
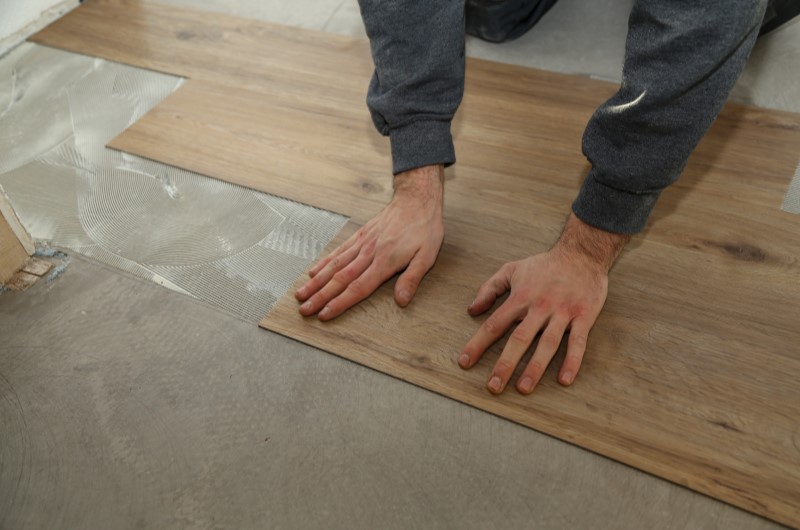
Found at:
[682, 58]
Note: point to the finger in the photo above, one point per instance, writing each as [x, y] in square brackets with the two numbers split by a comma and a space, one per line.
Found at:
[327, 259]
[576, 348]
[492, 329]
[489, 291]
[357, 291]
[337, 284]
[545, 350]
[408, 282]
[321, 264]
[324, 276]
[518, 343]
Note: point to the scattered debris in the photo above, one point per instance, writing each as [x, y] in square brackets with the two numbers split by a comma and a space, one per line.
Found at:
[58, 270]
[44, 250]
[21, 281]
[37, 267]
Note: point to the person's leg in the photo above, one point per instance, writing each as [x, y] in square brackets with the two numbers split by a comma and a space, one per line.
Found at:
[502, 20]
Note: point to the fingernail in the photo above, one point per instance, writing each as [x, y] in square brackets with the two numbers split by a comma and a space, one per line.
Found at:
[325, 313]
[495, 384]
[301, 292]
[306, 306]
[567, 377]
[404, 297]
[463, 360]
[526, 385]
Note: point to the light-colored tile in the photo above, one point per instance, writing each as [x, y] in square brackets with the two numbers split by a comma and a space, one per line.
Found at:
[588, 38]
[347, 20]
[772, 76]
[574, 37]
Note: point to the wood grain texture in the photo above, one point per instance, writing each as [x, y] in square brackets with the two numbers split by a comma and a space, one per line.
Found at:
[14, 252]
[693, 372]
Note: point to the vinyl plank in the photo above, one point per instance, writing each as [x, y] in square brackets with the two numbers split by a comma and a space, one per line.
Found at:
[693, 372]
[12, 254]
[663, 388]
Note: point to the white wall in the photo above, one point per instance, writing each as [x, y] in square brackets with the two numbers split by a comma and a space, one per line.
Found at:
[19, 19]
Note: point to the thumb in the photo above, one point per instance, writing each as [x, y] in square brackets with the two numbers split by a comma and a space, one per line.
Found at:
[491, 289]
[409, 280]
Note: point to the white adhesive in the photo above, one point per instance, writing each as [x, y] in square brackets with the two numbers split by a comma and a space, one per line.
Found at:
[230, 246]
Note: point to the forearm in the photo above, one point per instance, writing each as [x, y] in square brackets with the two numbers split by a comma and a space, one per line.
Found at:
[592, 245]
[682, 58]
[422, 187]
[418, 51]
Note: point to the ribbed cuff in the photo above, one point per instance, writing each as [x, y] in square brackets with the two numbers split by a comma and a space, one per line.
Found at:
[421, 143]
[613, 210]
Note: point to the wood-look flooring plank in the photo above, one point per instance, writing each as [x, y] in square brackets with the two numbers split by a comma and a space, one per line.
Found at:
[671, 386]
[12, 254]
[693, 372]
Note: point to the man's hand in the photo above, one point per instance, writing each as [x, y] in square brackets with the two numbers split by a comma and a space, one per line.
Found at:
[407, 234]
[562, 289]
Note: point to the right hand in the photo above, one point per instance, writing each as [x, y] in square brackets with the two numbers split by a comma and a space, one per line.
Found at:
[407, 234]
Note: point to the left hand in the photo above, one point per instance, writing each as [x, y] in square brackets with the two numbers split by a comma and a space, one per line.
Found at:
[563, 289]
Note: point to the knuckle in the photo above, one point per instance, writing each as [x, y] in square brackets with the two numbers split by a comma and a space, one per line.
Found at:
[550, 340]
[573, 359]
[503, 369]
[412, 280]
[576, 310]
[357, 288]
[535, 370]
[578, 339]
[521, 335]
[492, 326]
[369, 247]
[343, 276]
[543, 303]
[317, 300]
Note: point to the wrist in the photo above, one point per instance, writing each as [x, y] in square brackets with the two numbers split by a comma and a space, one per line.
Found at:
[593, 245]
[422, 184]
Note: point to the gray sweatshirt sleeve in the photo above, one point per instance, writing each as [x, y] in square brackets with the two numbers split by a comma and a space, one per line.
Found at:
[418, 51]
[682, 58]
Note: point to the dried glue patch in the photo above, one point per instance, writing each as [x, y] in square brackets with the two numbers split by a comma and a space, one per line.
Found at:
[232, 247]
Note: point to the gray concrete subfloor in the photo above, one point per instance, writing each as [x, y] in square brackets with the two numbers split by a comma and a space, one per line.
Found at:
[126, 405]
[123, 404]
